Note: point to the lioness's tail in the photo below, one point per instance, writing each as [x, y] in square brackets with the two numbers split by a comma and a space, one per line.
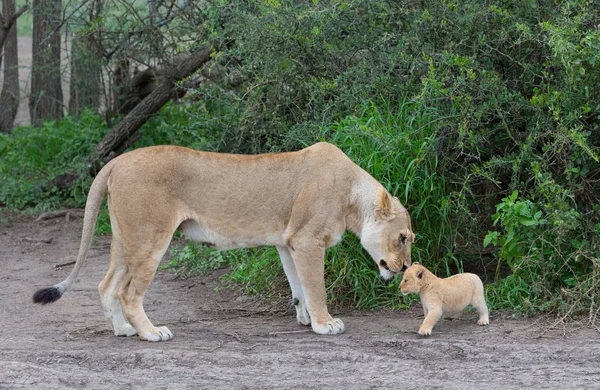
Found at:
[92, 208]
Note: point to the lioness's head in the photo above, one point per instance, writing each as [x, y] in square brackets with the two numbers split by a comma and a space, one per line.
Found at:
[412, 279]
[388, 236]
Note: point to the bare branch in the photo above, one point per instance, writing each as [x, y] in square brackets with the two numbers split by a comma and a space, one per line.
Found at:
[62, 23]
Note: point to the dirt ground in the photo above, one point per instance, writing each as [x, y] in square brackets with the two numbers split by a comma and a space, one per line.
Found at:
[227, 341]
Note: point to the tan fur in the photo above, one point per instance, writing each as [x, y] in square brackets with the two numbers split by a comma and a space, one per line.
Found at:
[448, 296]
[301, 202]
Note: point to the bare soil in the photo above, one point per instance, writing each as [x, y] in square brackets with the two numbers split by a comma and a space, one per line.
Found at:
[227, 341]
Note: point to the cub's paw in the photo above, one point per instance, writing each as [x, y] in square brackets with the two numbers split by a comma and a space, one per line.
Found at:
[125, 330]
[302, 315]
[483, 321]
[162, 333]
[424, 331]
[333, 326]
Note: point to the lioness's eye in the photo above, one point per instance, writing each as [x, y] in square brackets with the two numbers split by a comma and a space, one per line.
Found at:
[403, 239]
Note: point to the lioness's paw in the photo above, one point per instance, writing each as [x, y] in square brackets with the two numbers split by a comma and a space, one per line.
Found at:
[424, 331]
[302, 315]
[333, 326]
[125, 330]
[161, 333]
[483, 321]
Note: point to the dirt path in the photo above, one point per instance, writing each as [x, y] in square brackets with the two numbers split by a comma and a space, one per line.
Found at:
[224, 341]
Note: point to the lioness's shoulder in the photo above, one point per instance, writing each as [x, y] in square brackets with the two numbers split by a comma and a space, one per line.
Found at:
[324, 146]
[327, 151]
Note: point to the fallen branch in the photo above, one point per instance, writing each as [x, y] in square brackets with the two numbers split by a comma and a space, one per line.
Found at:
[59, 266]
[44, 240]
[66, 213]
[121, 136]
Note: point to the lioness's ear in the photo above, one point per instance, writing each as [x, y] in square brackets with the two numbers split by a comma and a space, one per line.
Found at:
[383, 205]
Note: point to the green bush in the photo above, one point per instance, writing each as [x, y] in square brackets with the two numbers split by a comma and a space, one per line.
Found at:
[484, 119]
[31, 157]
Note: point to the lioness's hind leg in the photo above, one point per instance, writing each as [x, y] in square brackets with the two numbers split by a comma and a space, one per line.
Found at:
[141, 267]
[298, 298]
[109, 291]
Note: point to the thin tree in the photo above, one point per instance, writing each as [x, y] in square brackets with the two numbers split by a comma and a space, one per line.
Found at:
[86, 66]
[46, 99]
[9, 97]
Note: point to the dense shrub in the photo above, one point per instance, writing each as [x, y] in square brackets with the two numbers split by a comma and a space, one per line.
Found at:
[484, 119]
[502, 97]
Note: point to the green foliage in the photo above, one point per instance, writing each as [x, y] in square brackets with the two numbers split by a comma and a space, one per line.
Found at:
[195, 259]
[31, 157]
[259, 271]
[484, 119]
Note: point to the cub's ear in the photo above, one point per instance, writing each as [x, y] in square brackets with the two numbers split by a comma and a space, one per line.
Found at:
[383, 206]
[420, 275]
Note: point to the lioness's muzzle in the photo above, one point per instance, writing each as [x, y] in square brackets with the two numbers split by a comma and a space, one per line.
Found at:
[384, 265]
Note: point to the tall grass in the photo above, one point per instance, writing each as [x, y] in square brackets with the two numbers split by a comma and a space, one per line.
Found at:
[395, 143]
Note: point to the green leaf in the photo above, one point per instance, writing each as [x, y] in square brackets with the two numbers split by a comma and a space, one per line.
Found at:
[490, 238]
[528, 221]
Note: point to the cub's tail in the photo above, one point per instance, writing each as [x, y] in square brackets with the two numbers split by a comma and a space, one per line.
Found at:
[92, 208]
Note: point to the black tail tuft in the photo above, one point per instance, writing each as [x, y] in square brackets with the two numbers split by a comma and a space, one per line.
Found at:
[46, 295]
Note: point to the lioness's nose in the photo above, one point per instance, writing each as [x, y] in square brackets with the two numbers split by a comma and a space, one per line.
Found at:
[384, 264]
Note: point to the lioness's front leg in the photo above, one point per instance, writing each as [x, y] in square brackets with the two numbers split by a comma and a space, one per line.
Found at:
[310, 267]
[298, 298]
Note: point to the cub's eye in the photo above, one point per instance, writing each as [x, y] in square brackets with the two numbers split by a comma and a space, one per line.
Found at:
[403, 239]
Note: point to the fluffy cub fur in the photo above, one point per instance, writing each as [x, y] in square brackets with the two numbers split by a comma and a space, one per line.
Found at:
[448, 296]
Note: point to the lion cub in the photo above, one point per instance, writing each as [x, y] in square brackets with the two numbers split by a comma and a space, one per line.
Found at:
[448, 296]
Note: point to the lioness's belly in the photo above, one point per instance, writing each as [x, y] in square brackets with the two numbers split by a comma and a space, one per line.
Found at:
[231, 237]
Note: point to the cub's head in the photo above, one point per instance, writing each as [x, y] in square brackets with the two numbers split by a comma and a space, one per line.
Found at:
[412, 279]
[388, 236]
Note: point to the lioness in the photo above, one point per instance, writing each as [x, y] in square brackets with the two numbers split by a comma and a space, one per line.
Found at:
[301, 202]
[448, 296]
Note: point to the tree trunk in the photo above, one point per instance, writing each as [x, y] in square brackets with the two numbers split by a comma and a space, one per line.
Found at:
[46, 99]
[122, 135]
[86, 68]
[9, 97]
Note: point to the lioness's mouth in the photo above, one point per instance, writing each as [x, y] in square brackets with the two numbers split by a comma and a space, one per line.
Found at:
[384, 265]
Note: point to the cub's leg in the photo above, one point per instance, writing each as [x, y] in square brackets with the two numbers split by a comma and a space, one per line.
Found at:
[310, 267]
[109, 290]
[481, 307]
[297, 293]
[141, 265]
[433, 315]
[425, 309]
